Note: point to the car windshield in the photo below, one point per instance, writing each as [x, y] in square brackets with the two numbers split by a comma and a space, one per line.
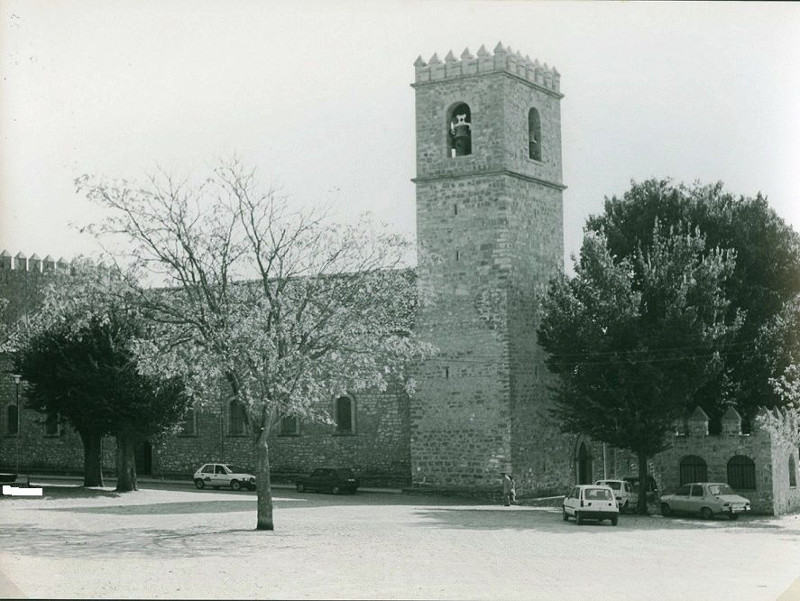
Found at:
[720, 489]
[235, 469]
[598, 493]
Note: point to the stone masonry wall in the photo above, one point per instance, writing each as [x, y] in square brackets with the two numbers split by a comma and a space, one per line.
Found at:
[490, 233]
[377, 451]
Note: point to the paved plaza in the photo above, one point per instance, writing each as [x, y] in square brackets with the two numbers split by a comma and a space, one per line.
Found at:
[175, 542]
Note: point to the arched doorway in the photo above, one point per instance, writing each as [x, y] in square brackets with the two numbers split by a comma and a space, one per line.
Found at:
[584, 465]
[143, 455]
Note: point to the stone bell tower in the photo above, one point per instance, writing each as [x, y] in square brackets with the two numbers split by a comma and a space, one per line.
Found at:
[490, 235]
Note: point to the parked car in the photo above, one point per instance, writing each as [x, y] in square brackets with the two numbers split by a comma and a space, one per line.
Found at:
[222, 474]
[335, 480]
[652, 488]
[623, 492]
[706, 499]
[590, 502]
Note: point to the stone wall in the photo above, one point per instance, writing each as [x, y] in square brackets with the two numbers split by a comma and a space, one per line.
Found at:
[377, 450]
[490, 235]
[772, 494]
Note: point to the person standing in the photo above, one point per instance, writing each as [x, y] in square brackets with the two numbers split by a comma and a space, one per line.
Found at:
[508, 489]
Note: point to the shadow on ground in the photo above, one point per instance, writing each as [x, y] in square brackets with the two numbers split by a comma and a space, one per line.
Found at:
[482, 518]
[140, 542]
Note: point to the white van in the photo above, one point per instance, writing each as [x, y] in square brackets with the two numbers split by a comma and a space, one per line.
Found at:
[590, 502]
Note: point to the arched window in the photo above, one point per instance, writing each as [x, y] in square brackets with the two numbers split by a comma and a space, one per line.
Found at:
[51, 425]
[693, 469]
[290, 426]
[189, 423]
[12, 420]
[459, 130]
[345, 415]
[534, 135]
[742, 473]
[237, 418]
[792, 472]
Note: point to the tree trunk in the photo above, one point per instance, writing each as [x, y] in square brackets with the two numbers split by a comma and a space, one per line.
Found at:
[126, 464]
[641, 507]
[264, 501]
[92, 459]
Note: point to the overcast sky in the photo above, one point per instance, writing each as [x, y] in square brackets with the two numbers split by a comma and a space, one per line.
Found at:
[317, 96]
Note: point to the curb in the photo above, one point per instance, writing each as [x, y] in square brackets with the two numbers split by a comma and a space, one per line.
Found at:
[188, 483]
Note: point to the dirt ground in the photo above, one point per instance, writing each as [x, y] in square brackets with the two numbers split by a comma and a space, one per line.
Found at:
[179, 543]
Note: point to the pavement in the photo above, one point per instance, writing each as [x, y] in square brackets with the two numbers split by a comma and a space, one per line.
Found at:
[174, 541]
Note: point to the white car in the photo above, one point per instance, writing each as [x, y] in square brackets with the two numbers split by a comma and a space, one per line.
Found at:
[623, 492]
[221, 474]
[591, 502]
[706, 499]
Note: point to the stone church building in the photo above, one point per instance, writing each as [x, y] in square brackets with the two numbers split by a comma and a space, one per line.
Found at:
[489, 236]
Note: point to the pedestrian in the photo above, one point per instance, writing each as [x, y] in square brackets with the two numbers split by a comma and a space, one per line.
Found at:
[513, 490]
[508, 489]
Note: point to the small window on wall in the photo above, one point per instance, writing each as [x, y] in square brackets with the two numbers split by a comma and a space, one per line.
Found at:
[51, 425]
[345, 415]
[189, 424]
[534, 135]
[742, 473]
[459, 130]
[12, 420]
[290, 426]
[792, 472]
[236, 420]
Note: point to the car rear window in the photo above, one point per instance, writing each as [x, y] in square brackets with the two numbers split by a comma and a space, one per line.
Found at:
[614, 485]
[598, 494]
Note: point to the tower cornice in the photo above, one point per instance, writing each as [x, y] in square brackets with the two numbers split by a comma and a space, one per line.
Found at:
[508, 172]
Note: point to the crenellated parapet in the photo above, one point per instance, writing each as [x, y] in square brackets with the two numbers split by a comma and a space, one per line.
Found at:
[504, 59]
[33, 264]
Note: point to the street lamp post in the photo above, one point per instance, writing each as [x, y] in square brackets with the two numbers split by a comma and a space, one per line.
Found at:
[17, 380]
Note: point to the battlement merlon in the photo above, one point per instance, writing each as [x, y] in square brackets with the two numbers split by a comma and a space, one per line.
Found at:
[504, 60]
[20, 263]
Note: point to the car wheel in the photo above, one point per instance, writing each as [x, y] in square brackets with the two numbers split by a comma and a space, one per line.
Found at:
[624, 507]
[300, 487]
[705, 513]
[578, 518]
[614, 521]
[665, 509]
[235, 485]
[199, 484]
[734, 516]
[336, 490]
[564, 514]
[251, 486]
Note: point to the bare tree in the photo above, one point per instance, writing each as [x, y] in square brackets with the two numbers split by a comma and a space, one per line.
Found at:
[282, 307]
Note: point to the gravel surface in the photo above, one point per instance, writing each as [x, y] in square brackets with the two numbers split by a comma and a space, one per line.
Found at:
[161, 543]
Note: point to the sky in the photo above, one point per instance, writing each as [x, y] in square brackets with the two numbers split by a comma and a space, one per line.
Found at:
[316, 96]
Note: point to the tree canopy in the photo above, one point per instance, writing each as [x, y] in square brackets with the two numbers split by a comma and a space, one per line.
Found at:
[78, 359]
[765, 277]
[633, 338]
[282, 307]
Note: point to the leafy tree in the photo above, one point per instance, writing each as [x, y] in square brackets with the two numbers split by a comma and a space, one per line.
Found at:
[280, 307]
[79, 362]
[765, 278]
[633, 338]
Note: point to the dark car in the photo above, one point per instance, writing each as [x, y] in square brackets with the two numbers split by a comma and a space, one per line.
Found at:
[335, 480]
